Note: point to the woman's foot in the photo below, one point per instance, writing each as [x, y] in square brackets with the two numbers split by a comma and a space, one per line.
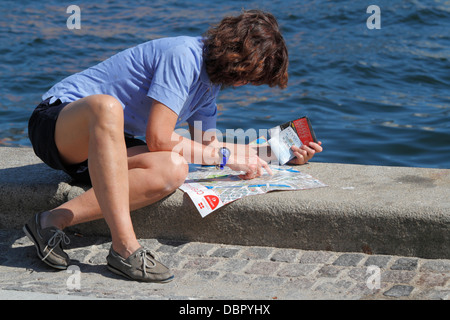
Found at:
[48, 242]
[141, 265]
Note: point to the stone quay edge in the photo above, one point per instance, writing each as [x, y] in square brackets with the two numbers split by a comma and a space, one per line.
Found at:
[370, 209]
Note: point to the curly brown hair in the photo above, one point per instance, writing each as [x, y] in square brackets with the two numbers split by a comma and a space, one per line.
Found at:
[246, 48]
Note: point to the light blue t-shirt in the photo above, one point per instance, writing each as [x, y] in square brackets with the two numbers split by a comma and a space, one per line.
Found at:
[169, 70]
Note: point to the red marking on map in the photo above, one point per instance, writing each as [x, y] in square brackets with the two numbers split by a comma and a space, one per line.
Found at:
[213, 201]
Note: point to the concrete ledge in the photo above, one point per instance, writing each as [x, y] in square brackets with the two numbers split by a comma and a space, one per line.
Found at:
[371, 209]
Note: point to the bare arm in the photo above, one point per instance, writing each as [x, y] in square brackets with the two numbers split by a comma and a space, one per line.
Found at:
[160, 136]
[243, 157]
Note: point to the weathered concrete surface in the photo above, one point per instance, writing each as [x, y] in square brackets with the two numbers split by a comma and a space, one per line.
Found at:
[370, 209]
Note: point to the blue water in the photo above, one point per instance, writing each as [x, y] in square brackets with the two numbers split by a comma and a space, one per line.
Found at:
[379, 96]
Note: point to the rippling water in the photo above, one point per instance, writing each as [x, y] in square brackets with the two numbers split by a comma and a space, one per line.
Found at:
[379, 96]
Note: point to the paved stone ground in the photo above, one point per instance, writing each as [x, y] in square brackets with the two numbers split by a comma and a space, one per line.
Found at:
[215, 271]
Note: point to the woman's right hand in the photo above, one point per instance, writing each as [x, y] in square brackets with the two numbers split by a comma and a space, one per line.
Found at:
[251, 165]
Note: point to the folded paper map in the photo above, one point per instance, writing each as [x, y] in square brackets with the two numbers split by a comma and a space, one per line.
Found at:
[210, 189]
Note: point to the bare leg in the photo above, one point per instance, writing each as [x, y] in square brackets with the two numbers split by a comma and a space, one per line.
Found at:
[152, 176]
[92, 127]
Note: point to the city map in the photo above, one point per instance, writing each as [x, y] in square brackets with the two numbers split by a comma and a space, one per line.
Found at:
[211, 189]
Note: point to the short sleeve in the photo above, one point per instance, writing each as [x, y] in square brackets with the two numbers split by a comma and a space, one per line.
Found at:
[173, 74]
[207, 115]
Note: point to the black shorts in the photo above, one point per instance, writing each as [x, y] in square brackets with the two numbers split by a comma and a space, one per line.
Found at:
[41, 131]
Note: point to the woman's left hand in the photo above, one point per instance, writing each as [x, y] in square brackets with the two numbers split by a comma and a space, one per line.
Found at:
[305, 153]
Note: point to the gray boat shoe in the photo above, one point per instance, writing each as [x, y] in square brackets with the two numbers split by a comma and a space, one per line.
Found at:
[48, 242]
[141, 265]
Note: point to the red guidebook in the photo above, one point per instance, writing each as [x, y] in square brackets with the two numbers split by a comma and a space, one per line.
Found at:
[303, 129]
[295, 132]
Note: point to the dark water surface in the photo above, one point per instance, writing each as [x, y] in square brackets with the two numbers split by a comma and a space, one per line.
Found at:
[375, 96]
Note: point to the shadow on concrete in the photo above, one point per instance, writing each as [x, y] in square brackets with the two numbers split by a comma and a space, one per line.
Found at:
[18, 252]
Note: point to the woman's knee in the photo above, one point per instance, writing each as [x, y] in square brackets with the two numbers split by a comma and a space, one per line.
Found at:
[165, 171]
[80, 120]
[180, 169]
[106, 111]
[175, 172]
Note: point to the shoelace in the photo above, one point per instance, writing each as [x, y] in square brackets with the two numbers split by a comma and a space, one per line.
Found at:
[56, 239]
[144, 258]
